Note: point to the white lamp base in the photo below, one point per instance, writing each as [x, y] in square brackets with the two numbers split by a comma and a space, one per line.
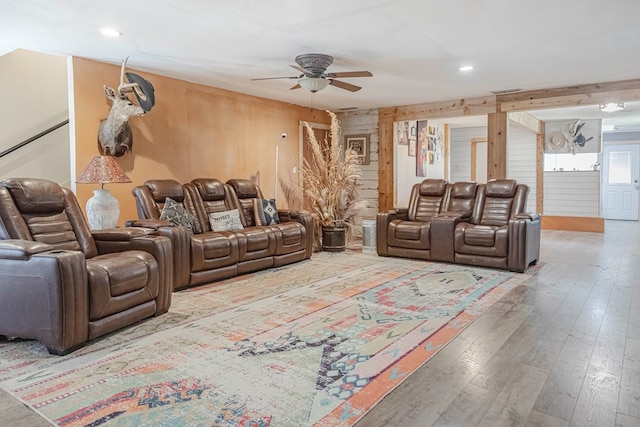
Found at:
[103, 210]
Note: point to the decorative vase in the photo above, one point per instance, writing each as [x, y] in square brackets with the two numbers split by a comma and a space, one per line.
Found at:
[103, 210]
[333, 239]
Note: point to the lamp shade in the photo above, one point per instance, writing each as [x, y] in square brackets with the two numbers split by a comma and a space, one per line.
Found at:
[102, 209]
[313, 84]
[103, 170]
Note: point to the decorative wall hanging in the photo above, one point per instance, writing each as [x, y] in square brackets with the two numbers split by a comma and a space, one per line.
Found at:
[422, 148]
[359, 144]
[114, 133]
[573, 136]
[401, 133]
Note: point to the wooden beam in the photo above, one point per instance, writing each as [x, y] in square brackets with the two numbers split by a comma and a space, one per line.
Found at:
[446, 109]
[386, 161]
[497, 145]
[571, 101]
[527, 121]
[593, 88]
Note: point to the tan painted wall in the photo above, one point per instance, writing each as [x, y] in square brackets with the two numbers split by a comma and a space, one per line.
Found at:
[192, 131]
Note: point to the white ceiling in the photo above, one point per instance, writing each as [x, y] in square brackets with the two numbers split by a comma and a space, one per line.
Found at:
[413, 48]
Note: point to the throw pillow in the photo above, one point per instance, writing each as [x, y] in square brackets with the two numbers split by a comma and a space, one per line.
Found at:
[177, 215]
[265, 212]
[225, 221]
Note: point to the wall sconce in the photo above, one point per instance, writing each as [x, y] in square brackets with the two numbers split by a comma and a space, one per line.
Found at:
[102, 209]
[612, 107]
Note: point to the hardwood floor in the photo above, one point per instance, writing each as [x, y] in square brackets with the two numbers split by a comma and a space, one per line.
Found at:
[561, 350]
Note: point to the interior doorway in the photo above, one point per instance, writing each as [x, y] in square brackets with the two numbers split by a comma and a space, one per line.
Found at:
[620, 181]
[479, 159]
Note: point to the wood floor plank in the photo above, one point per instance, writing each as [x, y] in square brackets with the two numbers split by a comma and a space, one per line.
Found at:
[623, 420]
[538, 419]
[598, 399]
[515, 401]
[468, 408]
[560, 393]
[629, 400]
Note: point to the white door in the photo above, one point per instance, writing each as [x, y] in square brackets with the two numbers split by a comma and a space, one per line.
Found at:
[620, 185]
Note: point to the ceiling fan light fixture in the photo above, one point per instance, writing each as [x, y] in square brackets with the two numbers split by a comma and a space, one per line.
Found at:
[612, 107]
[313, 84]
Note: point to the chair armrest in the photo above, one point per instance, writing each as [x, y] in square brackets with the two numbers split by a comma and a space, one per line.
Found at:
[180, 246]
[44, 295]
[306, 219]
[142, 239]
[442, 235]
[524, 241]
[149, 223]
[121, 234]
[532, 216]
[22, 249]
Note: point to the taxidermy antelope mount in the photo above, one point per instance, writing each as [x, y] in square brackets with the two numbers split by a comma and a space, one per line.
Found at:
[114, 134]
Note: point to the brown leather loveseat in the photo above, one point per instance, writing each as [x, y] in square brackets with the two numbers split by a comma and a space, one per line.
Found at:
[213, 255]
[465, 223]
[62, 284]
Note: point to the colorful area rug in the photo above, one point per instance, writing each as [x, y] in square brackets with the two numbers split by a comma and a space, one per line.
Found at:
[315, 343]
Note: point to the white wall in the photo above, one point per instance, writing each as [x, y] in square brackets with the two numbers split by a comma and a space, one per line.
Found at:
[460, 151]
[405, 170]
[521, 160]
[572, 193]
[35, 97]
[357, 123]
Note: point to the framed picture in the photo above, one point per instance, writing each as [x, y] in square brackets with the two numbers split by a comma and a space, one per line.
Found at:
[422, 149]
[359, 144]
[401, 132]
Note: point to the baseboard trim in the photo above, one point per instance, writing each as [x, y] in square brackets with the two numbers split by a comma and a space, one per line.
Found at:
[573, 223]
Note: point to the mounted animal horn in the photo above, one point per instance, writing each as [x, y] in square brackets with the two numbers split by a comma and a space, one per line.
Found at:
[114, 134]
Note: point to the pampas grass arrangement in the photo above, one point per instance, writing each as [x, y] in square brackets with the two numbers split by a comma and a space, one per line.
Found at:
[329, 178]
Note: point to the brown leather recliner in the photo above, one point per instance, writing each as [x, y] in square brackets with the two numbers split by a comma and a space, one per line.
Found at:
[499, 233]
[62, 284]
[204, 256]
[214, 255]
[406, 232]
[293, 235]
[150, 199]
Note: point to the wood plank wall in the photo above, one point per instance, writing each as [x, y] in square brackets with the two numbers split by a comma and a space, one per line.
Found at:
[358, 123]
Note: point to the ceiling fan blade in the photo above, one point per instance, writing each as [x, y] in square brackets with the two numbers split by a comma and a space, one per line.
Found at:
[295, 87]
[275, 78]
[351, 74]
[302, 70]
[344, 85]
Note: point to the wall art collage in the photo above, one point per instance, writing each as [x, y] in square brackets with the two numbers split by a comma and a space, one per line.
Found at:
[425, 142]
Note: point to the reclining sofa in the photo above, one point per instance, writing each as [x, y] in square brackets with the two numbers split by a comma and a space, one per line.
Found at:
[62, 284]
[464, 223]
[204, 255]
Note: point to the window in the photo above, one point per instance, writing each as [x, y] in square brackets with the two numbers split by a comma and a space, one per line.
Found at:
[570, 162]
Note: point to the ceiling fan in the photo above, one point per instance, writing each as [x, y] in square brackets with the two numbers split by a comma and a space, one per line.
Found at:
[314, 77]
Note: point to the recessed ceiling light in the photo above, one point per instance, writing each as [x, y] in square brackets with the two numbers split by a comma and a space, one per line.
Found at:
[466, 68]
[110, 32]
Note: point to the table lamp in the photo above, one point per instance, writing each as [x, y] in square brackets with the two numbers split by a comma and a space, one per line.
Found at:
[102, 209]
